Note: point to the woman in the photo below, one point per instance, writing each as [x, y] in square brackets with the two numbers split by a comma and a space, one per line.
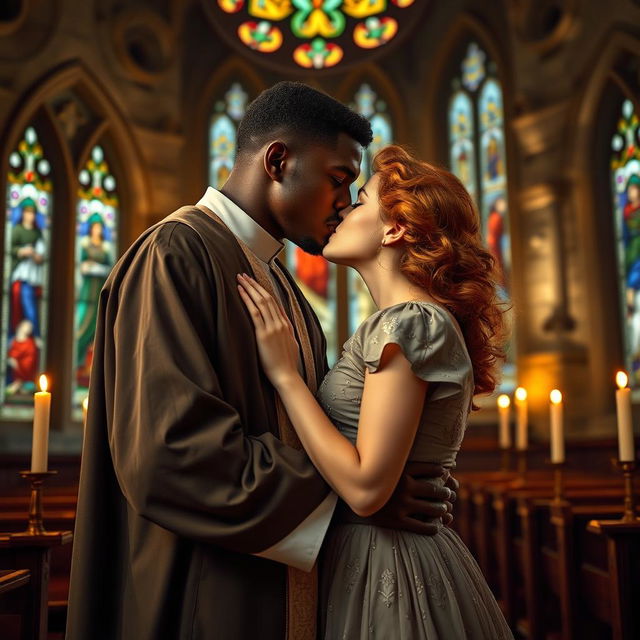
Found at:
[401, 391]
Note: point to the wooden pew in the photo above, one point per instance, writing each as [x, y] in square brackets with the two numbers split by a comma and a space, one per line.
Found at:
[548, 558]
[493, 510]
[59, 507]
[14, 603]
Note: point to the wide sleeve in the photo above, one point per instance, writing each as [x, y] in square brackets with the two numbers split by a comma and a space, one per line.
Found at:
[181, 454]
[428, 340]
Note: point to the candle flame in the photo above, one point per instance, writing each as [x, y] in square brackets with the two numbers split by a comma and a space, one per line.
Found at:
[555, 396]
[503, 401]
[521, 394]
[44, 383]
[621, 379]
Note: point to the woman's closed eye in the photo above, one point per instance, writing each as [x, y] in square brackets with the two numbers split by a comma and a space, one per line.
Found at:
[356, 204]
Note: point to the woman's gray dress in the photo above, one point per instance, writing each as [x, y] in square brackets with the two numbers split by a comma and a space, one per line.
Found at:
[391, 584]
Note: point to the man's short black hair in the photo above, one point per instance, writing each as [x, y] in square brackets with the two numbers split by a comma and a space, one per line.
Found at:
[298, 108]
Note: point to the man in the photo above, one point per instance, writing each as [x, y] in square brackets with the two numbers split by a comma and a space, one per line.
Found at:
[191, 510]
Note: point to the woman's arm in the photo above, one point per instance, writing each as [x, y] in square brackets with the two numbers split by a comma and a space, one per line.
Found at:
[364, 475]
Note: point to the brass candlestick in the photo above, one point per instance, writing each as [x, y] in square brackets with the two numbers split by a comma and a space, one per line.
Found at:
[628, 469]
[35, 526]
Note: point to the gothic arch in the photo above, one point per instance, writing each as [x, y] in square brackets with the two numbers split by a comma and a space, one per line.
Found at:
[68, 146]
[388, 91]
[593, 209]
[197, 128]
[463, 28]
[112, 126]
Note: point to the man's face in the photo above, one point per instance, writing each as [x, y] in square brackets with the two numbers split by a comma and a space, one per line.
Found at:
[314, 188]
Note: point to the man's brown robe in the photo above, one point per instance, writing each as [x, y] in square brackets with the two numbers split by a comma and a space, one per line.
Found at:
[182, 474]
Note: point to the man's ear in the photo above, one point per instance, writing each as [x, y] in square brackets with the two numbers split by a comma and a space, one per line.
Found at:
[393, 233]
[275, 158]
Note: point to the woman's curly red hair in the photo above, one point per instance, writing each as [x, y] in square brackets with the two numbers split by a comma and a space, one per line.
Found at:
[444, 254]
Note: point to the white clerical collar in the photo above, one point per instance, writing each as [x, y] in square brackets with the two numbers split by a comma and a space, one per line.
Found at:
[242, 225]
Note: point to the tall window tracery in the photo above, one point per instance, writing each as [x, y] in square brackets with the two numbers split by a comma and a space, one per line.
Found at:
[477, 155]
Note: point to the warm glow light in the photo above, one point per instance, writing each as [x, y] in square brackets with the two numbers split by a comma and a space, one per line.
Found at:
[44, 383]
[555, 396]
[503, 401]
[621, 379]
[521, 394]
[85, 403]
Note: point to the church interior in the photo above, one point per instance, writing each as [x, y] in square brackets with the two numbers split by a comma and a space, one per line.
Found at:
[114, 113]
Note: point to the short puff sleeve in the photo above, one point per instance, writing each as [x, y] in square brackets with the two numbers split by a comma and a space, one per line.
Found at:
[429, 341]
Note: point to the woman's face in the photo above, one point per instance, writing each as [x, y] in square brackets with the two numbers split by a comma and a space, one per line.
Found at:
[357, 239]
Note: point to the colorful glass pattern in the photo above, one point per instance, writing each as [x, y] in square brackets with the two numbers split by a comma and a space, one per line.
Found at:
[317, 279]
[477, 156]
[625, 181]
[95, 253]
[313, 34]
[366, 103]
[26, 275]
[222, 133]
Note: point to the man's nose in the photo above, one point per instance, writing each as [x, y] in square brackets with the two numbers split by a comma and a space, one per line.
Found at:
[344, 200]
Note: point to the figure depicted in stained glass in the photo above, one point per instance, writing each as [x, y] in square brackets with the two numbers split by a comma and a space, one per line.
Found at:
[631, 238]
[477, 157]
[313, 271]
[493, 160]
[496, 239]
[95, 264]
[625, 166]
[22, 360]
[462, 147]
[95, 255]
[27, 258]
[29, 199]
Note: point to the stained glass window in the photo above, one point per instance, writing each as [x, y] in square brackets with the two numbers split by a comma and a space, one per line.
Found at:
[26, 275]
[367, 103]
[95, 253]
[317, 279]
[312, 34]
[227, 112]
[625, 174]
[477, 156]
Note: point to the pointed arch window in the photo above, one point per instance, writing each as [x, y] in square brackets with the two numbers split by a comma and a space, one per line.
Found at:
[367, 103]
[227, 113]
[97, 213]
[477, 156]
[25, 307]
[625, 183]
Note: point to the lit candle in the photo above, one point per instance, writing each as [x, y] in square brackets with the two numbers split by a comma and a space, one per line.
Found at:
[41, 410]
[504, 411]
[626, 449]
[85, 409]
[557, 428]
[522, 411]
